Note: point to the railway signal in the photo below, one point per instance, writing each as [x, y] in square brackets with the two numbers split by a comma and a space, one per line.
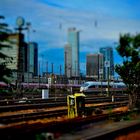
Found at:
[76, 105]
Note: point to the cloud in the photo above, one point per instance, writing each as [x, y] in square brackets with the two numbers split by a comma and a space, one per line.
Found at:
[92, 46]
[53, 4]
[47, 19]
[100, 22]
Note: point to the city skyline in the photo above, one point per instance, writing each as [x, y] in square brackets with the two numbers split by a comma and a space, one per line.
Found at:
[100, 24]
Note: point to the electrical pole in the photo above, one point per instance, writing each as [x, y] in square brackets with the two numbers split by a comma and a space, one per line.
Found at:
[107, 65]
[39, 74]
[60, 70]
[46, 71]
[28, 24]
[60, 73]
[65, 63]
[20, 66]
[75, 72]
[42, 67]
[98, 68]
[108, 79]
[47, 67]
[52, 68]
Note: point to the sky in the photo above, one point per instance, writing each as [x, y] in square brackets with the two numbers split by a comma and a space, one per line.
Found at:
[100, 23]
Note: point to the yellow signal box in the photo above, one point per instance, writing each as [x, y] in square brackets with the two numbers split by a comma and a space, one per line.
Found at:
[76, 105]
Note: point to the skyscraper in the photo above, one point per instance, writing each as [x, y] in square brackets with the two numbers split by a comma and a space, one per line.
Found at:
[73, 53]
[68, 60]
[108, 58]
[94, 66]
[17, 52]
[32, 58]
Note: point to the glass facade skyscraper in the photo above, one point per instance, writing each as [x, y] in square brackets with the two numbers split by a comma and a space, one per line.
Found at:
[16, 51]
[32, 58]
[108, 57]
[73, 41]
[94, 66]
[68, 60]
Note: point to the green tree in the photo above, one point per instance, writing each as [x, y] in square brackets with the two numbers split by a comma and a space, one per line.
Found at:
[129, 70]
[4, 59]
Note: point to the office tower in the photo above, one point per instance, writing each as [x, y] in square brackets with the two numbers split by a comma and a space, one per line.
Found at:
[68, 60]
[73, 53]
[94, 66]
[17, 52]
[108, 61]
[32, 58]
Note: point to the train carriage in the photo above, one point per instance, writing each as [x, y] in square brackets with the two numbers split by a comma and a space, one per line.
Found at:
[92, 86]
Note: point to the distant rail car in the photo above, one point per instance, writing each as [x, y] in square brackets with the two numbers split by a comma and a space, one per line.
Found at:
[43, 85]
[102, 86]
[38, 85]
[5, 87]
[2, 84]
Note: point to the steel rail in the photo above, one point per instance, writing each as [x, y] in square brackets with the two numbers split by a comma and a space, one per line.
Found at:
[5, 119]
[64, 126]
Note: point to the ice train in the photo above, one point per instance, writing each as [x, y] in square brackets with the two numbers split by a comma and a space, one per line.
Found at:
[91, 86]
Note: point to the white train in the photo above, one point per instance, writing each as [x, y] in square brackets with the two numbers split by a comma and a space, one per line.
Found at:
[91, 86]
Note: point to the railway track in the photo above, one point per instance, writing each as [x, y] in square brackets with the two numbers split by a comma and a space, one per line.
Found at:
[18, 126]
[41, 114]
[25, 100]
[9, 119]
[124, 130]
[52, 102]
[31, 106]
[27, 130]
[39, 119]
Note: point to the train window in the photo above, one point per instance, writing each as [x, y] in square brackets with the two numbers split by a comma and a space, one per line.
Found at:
[120, 86]
[104, 86]
[85, 85]
[93, 86]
